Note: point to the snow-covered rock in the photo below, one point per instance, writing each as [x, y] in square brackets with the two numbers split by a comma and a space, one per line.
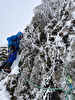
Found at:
[48, 54]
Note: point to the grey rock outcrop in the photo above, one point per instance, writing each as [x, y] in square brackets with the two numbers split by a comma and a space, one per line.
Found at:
[48, 53]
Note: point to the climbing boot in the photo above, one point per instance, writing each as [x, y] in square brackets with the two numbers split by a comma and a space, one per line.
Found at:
[7, 70]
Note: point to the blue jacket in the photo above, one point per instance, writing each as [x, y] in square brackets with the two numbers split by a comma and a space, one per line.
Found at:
[12, 56]
[14, 40]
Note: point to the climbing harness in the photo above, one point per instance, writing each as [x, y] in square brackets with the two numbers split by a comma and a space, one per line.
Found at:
[68, 81]
[66, 92]
[69, 84]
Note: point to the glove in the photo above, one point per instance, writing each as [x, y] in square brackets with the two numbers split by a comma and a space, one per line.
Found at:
[17, 46]
[13, 47]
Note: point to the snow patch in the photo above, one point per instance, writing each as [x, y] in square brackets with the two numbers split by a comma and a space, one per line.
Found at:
[15, 70]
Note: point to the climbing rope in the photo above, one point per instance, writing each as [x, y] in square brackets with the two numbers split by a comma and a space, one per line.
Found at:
[66, 92]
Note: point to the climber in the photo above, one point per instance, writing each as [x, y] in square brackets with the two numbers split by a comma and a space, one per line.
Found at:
[13, 48]
[68, 81]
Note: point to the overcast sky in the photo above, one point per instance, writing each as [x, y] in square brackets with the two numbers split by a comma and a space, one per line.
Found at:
[15, 15]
